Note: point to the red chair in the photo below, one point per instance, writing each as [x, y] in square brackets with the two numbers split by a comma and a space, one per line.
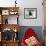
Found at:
[29, 33]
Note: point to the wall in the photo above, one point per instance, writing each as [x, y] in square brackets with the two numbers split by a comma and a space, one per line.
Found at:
[27, 4]
[32, 4]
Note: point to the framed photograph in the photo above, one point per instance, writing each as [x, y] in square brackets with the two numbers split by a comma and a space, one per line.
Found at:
[5, 12]
[13, 12]
[30, 13]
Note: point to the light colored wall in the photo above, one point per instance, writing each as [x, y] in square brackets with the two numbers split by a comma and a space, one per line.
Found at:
[27, 4]
[32, 4]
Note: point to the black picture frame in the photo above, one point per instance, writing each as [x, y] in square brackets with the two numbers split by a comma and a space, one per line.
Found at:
[30, 13]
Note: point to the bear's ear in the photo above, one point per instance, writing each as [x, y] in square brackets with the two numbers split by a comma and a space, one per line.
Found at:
[28, 41]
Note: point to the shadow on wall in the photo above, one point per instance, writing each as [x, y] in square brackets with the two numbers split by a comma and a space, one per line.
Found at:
[37, 29]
